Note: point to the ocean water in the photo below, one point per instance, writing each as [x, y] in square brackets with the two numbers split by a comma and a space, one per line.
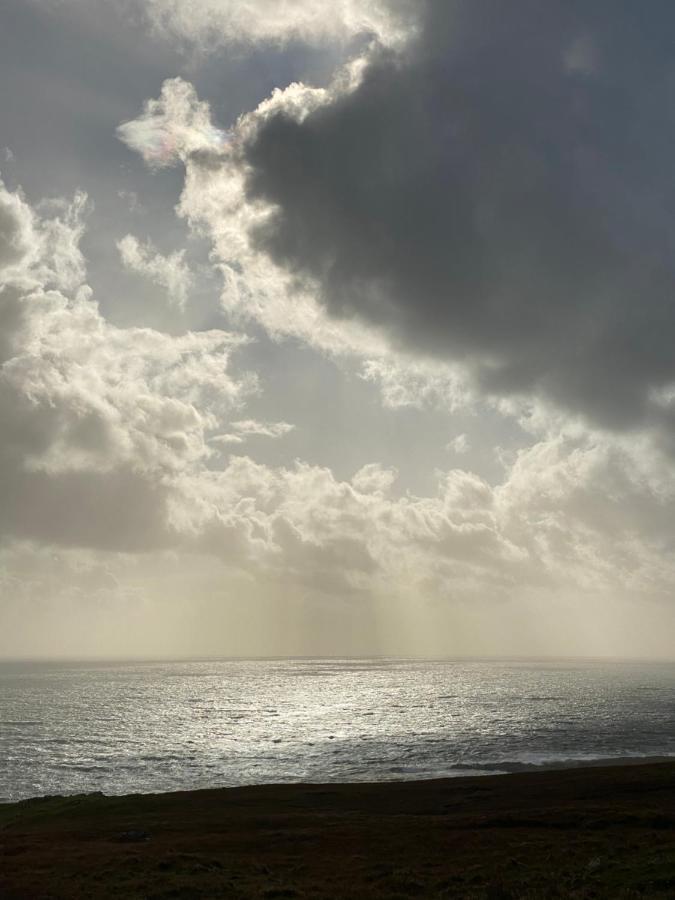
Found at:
[137, 727]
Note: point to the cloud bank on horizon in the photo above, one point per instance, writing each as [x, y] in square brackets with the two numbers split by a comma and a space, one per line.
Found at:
[472, 217]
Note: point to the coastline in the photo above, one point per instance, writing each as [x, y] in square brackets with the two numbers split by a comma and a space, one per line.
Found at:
[396, 774]
[596, 831]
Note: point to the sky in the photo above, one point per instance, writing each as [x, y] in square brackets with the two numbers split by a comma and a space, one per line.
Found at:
[337, 329]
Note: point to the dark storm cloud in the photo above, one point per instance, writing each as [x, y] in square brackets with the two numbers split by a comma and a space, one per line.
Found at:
[502, 193]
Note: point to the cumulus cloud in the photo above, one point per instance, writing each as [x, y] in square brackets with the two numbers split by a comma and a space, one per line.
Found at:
[474, 207]
[97, 420]
[494, 194]
[109, 432]
[430, 238]
[107, 444]
[317, 233]
[572, 514]
[355, 535]
[169, 272]
[209, 23]
[215, 204]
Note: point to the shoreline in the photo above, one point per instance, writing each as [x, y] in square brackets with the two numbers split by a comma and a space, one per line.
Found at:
[598, 831]
[457, 771]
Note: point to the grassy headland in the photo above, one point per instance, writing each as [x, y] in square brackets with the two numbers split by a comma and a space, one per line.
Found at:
[581, 833]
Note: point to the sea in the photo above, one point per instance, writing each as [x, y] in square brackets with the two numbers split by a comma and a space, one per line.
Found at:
[119, 728]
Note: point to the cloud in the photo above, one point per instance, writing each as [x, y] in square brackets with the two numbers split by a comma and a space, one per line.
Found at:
[252, 428]
[111, 433]
[573, 514]
[209, 23]
[494, 195]
[214, 202]
[169, 272]
[255, 289]
[349, 217]
[373, 478]
[354, 536]
[459, 444]
[97, 421]
[108, 437]
[107, 444]
[173, 126]
[16, 229]
[405, 381]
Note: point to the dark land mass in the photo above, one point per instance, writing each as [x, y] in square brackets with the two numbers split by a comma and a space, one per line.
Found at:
[600, 832]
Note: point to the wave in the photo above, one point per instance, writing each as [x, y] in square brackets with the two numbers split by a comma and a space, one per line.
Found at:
[505, 766]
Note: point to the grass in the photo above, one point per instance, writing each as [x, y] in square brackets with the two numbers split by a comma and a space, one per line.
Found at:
[595, 833]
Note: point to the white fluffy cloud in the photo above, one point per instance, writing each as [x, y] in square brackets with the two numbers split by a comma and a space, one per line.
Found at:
[169, 272]
[571, 515]
[97, 420]
[209, 23]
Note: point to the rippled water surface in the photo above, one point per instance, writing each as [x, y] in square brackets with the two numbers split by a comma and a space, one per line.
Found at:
[68, 728]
